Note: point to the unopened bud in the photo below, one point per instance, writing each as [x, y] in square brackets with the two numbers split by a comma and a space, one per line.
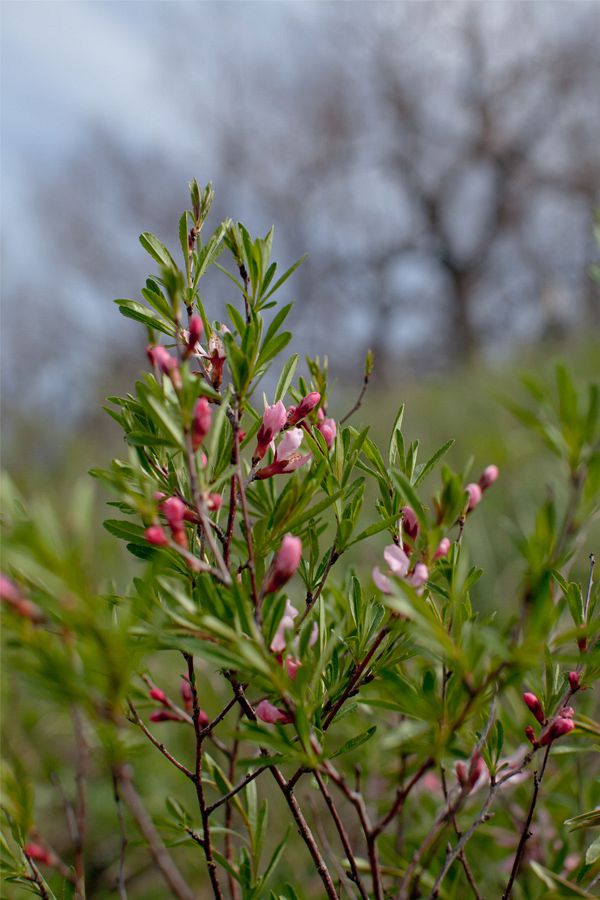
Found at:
[531, 736]
[164, 715]
[574, 681]
[186, 695]
[194, 332]
[534, 706]
[474, 492]
[442, 548]
[155, 535]
[328, 429]
[40, 853]
[410, 523]
[295, 414]
[201, 422]
[284, 565]
[268, 713]
[558, 728]
[159, 696]
[214, 502]
[488, 477]
[174, 511]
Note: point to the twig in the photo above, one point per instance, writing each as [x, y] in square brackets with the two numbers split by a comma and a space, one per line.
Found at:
[159, 746]
[343, 835]
[366, 378]
[178, 887]
[461, 856]
[37, 879]
[80, 805]
[197, 778]
[311, 599]
[228, 843]
[526, 833]
[235, 790]
[355, 678]
[123, 831]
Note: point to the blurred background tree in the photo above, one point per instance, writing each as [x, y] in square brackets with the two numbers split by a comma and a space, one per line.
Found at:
[437, 161]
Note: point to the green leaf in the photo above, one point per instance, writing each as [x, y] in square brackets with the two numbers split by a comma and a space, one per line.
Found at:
[408, 491]
[132, 310]
[355, 742]
[396, 428]
[426, 468]
[285, 379]
[285, 277]
[157, 250]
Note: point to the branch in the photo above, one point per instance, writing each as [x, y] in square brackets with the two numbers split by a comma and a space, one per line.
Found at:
[138, 721]
[343, 835]
[178, 887]
[121, 876]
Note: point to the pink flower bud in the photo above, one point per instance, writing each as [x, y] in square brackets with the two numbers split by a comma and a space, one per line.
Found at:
[214, 502]
[567, 712]
[557, 729]
[292, 665]
[488, 477]
[159, 696]
[474, 492]
[461, 773]
[534, 706]
[201, 422]
[295, 414]
[165, 715]
[9, 592]
[442, 549]
[274, 419]
[574, 681]
[284, 565]
[186, 695]
[174, 511]
[531, 737]
[168, 365]
[476, 769]
[328, 429]
[410, 523]
[155, 535]
[194, 332]
[268, 713]
[40, 853]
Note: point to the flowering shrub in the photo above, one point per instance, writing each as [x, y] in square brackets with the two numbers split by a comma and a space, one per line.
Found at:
[419, 746]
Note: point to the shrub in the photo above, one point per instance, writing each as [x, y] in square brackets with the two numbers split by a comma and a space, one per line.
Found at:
[383, 714]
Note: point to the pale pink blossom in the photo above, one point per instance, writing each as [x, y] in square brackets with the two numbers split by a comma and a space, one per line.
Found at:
[268, 713]
[399, 564]
[278, 644]
[201, 422]
[287, 459]
[156, 536]
[328, 429]
[273, 421]
[442, 548]
[410, 522]
[292, 664]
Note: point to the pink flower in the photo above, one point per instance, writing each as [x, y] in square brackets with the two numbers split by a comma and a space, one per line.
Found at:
[468, 778]
[284, 565]
[40, 853]
[442, 548]
[274, 419]
[328, 429]
[9, 590]
[292, 665]
[286, 623]
[193, 334]
[488, 477]
[474, 492]
[174, 511]
[155, 535]
[295, 414]
[287, 459]
[201, 422]
[168, 365]
[561, 726]
[213, 502]
[399, 563]
[410, 523]
[534, 706]
[159, 696]
[268, 713]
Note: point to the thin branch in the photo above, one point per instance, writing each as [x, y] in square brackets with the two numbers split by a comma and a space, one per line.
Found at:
[366, 378]
[526, 833]
[355, 678]
[235, 790]
[159, 746]
[81, 773]
[461, 856]
[173, 878]
[311, 599]
[343, 835]
[124, 841]
[197, 778]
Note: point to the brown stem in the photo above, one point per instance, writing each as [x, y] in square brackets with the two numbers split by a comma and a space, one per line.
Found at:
[343, 835]
[233, 887]
[355, 678]
[159, 746]
[80, 804]
[311, 599]
[235, 790]
[461, 856]
[123, 848]
[197, 778]
[359, 400]
[526, 833]
[173, 878]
